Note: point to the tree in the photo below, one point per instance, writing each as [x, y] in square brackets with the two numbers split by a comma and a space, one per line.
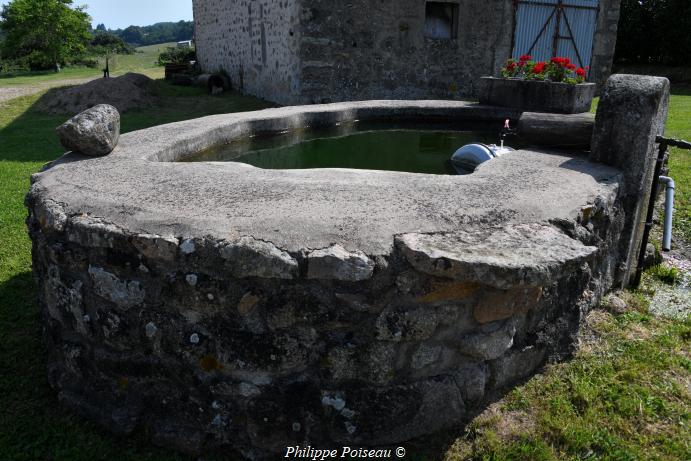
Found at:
[105, 42]
[133, 35]
[44, 32]
[101, 27]
[654, 32]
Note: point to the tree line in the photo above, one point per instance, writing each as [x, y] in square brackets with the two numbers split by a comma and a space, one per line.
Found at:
[160, 32]
[47, 34]
[655, 32]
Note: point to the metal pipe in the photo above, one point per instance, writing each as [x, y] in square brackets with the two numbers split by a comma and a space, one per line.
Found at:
[669, 212]
[661, 156]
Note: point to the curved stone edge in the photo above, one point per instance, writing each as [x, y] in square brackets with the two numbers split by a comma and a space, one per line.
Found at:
[515, 255]
[428, 348]
[527, 255]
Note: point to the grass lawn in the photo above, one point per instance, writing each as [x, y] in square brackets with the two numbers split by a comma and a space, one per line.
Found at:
[142, 61]
[625, 396]
[679, 126]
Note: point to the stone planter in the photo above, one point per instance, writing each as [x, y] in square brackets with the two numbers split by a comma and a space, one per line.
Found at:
[535, 95]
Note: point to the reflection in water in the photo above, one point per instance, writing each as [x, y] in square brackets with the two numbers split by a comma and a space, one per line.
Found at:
[351, 146]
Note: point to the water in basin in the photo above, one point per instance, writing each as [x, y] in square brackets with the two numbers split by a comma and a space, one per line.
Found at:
[418, 149]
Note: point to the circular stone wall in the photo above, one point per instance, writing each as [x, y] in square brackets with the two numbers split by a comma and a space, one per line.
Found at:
[219, 305]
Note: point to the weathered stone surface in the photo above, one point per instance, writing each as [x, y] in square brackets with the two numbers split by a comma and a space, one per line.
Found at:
[156, 246]
[574, 131]
[502, 257]
[249, 257]
[199, 300]
[94, 132]
[124, 294]
[501, 304]
[631, 113]
[615, 304]
[516, 365]
[472, 381]
[393, 414]
[537, 95]
[336, 263]
[307, 51]
[488, 346]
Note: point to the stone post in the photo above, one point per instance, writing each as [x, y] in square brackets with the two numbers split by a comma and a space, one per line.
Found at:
[631, 113]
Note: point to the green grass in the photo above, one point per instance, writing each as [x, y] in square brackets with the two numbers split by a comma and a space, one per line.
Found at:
[621, 398]
[142, 61]
[32, 424]
[679, 126]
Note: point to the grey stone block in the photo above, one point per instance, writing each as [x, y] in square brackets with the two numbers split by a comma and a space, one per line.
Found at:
[534, 95]
[632, 112]
[94, 132]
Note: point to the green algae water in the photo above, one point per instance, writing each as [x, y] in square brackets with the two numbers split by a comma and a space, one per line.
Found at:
[356, 146]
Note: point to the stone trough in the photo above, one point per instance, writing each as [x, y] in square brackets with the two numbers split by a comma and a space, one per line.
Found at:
[220, 305]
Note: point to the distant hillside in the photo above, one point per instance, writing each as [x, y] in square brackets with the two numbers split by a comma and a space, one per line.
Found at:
[161, 32]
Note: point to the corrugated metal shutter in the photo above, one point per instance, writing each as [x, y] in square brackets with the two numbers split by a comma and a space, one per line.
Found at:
[547, 28]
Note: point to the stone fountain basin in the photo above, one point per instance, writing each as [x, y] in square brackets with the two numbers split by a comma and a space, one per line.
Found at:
[218, 304]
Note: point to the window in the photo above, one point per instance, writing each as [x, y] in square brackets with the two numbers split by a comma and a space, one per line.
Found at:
[441, 20]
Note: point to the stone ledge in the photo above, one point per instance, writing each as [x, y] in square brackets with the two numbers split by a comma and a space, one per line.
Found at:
[515, 255]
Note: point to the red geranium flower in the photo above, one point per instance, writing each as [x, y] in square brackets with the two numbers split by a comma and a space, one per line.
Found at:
[539, 67]
[563, 62]
[580, 72]
[525, 57]
[571, 66]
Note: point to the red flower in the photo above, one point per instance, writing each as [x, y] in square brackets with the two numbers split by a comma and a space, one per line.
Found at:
[571, 66]
[511, 66]
[580, 72]
[563, 62]
[525, 57]
[539, 67]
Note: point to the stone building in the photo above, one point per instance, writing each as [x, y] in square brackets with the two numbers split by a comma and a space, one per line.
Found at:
[311, 51]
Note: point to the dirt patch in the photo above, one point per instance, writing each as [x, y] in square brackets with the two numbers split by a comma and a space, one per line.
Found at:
[127, 92]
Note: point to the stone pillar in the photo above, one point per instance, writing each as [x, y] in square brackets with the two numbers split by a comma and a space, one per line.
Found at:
[604, 42]
[631, 113]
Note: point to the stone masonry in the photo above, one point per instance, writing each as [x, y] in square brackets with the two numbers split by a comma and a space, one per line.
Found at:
[241, 309]
[316, 51]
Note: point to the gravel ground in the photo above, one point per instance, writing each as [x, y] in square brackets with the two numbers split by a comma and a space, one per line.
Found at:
[11, 92]
[675, 301]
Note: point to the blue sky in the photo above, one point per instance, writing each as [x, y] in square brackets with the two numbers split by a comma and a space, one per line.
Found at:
[122, 13]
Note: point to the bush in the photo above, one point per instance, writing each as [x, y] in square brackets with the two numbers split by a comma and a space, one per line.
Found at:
[13, 66]
[177, 56]
[91, 63]
[104, 42]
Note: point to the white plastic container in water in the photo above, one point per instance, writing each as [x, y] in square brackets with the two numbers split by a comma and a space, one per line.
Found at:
[468, 157]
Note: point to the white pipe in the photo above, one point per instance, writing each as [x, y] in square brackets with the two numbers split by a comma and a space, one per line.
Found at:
[669, 212]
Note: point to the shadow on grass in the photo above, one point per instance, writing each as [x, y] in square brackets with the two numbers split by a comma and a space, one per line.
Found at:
[33, 424]
[30, 135]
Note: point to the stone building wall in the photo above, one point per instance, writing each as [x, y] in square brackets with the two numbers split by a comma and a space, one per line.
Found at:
[254, 41]
[387, 56]
[312, 51]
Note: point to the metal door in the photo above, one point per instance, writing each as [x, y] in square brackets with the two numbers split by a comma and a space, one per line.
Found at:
[548, 28]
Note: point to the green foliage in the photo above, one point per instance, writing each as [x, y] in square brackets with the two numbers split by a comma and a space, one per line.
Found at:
[161, 32]
[174, 55]
[106, 43]
[654, 31]
[556, 69]
[665, 274]
[44, 32]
